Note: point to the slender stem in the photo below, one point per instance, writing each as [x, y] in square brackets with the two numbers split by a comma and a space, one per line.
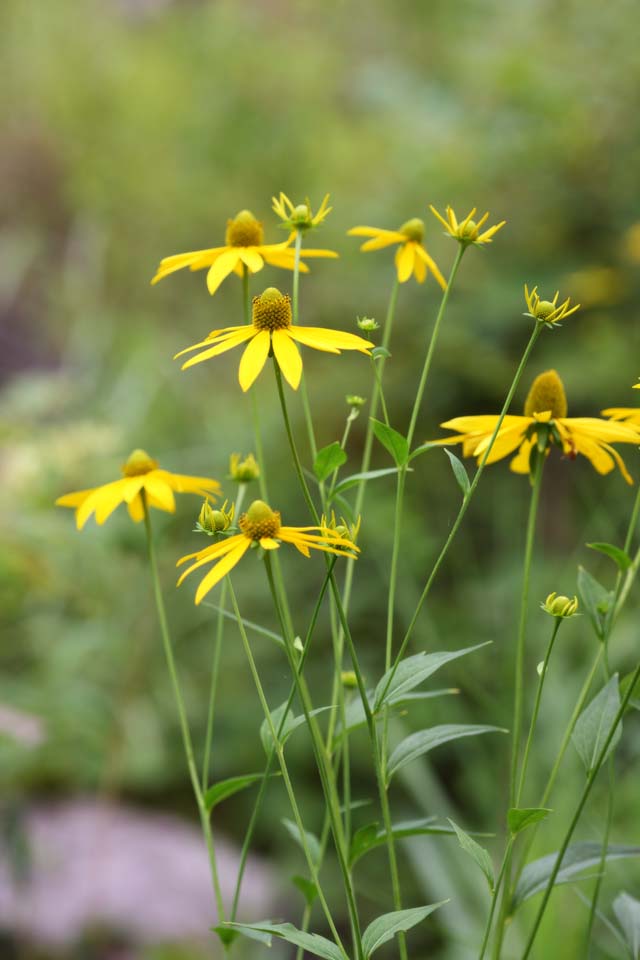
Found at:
[494, 897]
[432, 344]
[292, 444]
[253, 403]
[182, 713]
[324, 766]
[593, 773]
[536, 709]
[215, 666]
[284, 769]
[295, 314]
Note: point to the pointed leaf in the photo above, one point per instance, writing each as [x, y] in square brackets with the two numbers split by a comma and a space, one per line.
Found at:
[459, 472]
[226, 788]
[422, 742]
[357, 478]
[414, 670]
[593, 726]
[313, 942]
[422, 449]
[307, 888]
[229, 615]
[519, 818]
[312, 841]
[619, 557]
[595, 599]
[372, 835]
[328, 459]
[290, 724]
[627, 911]
[392, 441]
[385, 927]
[577, 858]
[476, 852]
[227, 935]
[625, 683]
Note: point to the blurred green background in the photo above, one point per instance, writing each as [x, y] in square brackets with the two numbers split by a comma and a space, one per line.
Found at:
[132, 130]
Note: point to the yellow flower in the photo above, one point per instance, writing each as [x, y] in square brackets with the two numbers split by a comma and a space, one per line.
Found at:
[272, 330]
[467, 231]
[547, 311]
[545, 416]
[141, 477]
[411, 256]
[300, 217]
[244, 248]
[261, 525]
[243, 471]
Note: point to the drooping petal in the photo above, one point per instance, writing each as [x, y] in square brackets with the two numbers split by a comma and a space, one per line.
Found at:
[216, 336]
[107, 498]
[222, 568]
[405, 257]
[158, 488]
[521, 461]
[136, 509]
[251, 257]
[183, 483]
[285, 261]
[483, 423]
[214, 552]
[221, 268]
[268, 543]
[319, 253]
[420, 269]
[74, 499]
[179, 260]
[244, 333]
[325, 339]
[254, 358]
[431, 264]
[506, 441]
[288, 357]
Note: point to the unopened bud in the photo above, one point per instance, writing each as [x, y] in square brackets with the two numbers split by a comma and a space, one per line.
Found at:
[560, 606]
[367, 323]
[243, 471]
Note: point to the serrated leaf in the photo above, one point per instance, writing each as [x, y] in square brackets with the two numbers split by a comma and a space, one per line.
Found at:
[627, 911]
[313, 942]
[622, 560]
[593, 726]
[476, 852]
[313, 843]
[328, 459]
[459, 472]
[290, 724]
[226, 788]
[307, 888]
[357, 478]
[595, 599]
[417, 744]
[415, 670]
[577, 858]
[519, 818]
[392, 441]
[384, 928]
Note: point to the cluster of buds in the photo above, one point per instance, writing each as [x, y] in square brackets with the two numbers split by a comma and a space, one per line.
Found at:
[560, 606]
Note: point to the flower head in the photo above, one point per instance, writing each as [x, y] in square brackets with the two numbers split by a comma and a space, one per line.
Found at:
[544, 424]
[244, 249]
[261, 526]
[411, 255]
[548, 312]
[300, 217]
[243, 471]
[212, 521]
[368, 324]
[142, 478]
[559, 606]
[272, 330]
[467, 231]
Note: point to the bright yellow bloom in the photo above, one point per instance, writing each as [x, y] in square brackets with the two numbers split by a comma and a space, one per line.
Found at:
[630, 415]
[300, 217]
[272, 330]
[411, 256]
[467, 231]
[547, 311]
[545, 415]
[141, 477]
[261, 525]
[244, 248]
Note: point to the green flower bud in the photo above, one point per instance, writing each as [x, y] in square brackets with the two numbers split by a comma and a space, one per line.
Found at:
[243, 471]
[367, 323]
[560, 606]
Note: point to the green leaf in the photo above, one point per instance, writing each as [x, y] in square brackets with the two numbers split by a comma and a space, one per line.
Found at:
[593, 726]
[328, 459]
[595, 599]
[414, 670]
[372, 835]
[290, 724]
[627, 911]
[459, 472]
[423, 449]
[422, 742]
[227, 936]
[619, 557]
[247, 623]
[519, 818]
[226, 788]
[307, 888]
[313, 942]
[392, 441]
[357, 478]
[312, 841]
[384, 928]
[476, 852]
[380, 353]
[577, 858]
[625, 683]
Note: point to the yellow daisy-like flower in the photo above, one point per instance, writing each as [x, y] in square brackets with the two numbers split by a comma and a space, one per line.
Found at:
[549, 312]
[141, 476]
[545, 415]
[411, 255]
[467, 231]
[272, 330]
[260, 525]
[300, 217]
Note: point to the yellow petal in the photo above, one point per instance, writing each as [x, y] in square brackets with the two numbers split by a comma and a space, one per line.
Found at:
[182, 483]
[136, 509]
[284, 261]
[254, 359]
[214, 552]
[320, 253]
[222, 568]
[158, 488]
[244, 333]
[288, 357]
[74, 499]
[268, 543]
[179, 260]
[252, 258]
[222, 268]
[420, 269]
[107, 498]
[521, 462]
[379, 243]
[431, 264]
[329, 339]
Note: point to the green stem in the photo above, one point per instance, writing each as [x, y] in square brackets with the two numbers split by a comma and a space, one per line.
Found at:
[494, 897]
[217, 647]
[593, 773]
[536, 709]
[295, 314]
[322, 762]
[182, 713]
[253, 402]
[283, 768]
